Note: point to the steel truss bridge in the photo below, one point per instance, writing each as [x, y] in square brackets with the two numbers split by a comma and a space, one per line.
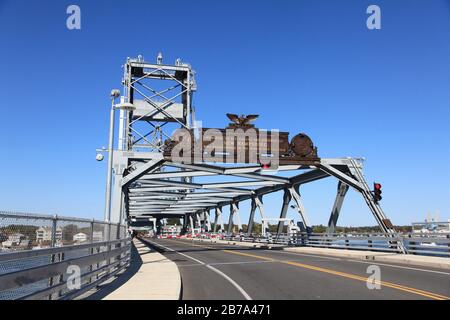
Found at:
[143, 183]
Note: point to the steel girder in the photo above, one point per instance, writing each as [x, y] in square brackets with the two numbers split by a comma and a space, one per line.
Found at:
[155, 191]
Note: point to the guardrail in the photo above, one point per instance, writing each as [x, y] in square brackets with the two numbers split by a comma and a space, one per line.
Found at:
[52, 257]
[431, 244]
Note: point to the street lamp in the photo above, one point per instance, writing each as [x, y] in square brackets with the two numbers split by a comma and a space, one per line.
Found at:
[115, 93]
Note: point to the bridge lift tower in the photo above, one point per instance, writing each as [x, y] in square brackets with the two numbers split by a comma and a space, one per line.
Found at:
[156, 99]
[144, 183]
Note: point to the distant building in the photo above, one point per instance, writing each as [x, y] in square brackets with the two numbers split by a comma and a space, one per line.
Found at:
[431, 226]
[45, 234]
[80, 237]
[14, 240]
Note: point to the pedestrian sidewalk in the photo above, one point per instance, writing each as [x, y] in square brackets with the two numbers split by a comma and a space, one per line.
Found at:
[151, 276]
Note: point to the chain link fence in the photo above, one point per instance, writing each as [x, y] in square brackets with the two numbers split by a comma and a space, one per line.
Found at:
[30, 242]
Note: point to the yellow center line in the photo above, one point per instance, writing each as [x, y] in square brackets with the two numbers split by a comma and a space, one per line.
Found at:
[347, 275]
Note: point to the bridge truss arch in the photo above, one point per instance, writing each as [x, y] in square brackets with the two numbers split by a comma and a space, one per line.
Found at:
[145, 184]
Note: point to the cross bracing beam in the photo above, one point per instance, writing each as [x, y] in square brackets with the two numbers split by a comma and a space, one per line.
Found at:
[182, 206]
[243, 172]
[235, 169]
[175, 174]
[192, 197]
[156, 202]
[177, 188]
[142, 169]
[239, 184]
[177, 185]
[156, 212]
[332, 171]
[186, 195]
[295, 195]
[154, 185]
[307, 177]
[208, 185]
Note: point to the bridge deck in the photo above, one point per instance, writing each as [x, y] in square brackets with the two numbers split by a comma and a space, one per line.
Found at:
[219, 271]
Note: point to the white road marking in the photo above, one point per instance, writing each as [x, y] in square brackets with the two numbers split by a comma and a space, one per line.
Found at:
[238, 287]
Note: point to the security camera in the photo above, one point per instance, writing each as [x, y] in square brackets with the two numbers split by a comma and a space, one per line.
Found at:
[115, 93]
[99, 157]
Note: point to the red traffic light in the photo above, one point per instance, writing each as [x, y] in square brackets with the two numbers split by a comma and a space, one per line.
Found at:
[377, 192]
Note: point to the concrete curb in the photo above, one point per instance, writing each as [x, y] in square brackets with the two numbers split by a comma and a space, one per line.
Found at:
[406, 259]
[157, 278]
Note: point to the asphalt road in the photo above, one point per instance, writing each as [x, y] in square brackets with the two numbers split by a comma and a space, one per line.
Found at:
[217, 271]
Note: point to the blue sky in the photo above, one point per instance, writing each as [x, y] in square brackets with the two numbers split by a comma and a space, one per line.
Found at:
[304, 66]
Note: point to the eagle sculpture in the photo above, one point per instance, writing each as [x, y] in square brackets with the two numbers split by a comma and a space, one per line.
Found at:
[241, 122]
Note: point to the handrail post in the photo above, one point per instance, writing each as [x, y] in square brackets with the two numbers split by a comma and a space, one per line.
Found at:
[52, 244]
[109, 247]
[448, 244]
[120, 244]
[412, 244]
[91, 251]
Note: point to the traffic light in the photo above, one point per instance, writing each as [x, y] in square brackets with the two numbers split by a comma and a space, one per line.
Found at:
[377, 192]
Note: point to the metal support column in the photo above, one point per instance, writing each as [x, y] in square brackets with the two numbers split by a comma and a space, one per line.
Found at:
[197, 219]
[191, 220]
[251, 217]
[236, 213]
[341, 192]
[208, 221]
[260, 205]
[218, 217]
[185, 224]
[284, 208]
[230, 220]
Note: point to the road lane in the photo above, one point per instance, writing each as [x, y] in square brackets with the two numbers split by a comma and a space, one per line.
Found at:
[274, 274]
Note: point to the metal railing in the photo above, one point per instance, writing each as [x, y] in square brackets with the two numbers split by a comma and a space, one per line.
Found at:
[431, 244]
[52, 257]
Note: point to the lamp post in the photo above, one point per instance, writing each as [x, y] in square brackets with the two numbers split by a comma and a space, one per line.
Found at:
[114, 94]
[126, 106]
